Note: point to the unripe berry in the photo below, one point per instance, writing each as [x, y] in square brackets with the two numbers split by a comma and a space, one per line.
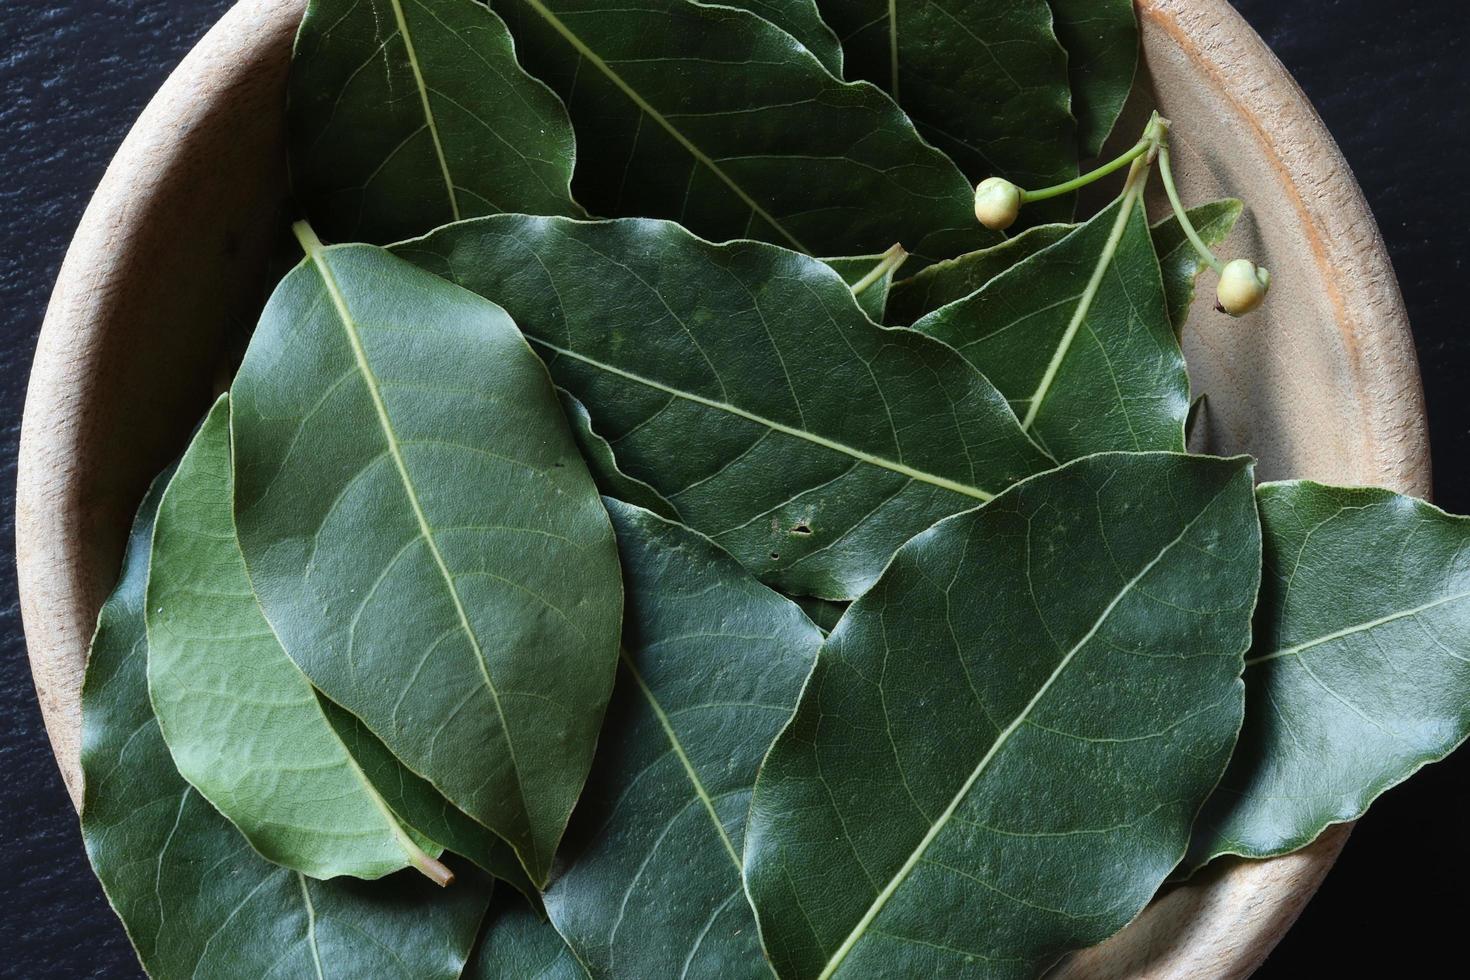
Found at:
[1243, 287]
[997, 203]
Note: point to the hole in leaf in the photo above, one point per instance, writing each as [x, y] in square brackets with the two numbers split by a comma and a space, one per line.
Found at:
[803, 529]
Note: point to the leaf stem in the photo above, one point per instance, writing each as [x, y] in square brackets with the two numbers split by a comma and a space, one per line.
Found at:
[306, 235]
[1167, 173]
[1077, 183]
[888, 262]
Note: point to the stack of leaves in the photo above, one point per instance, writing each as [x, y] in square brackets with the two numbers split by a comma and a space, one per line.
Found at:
[686, 604]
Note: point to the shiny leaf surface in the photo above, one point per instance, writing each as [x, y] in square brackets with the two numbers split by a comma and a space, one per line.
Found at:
[744, 384]
[714, 118]
[1078, 338]
[424, 537]
[242, 722]
[1003, 744]
[604, 465]
[953, 279]
[516, 943]
[1101, 40]
[800, 19]
[197, 901]
[713, 663]
[1360, 672]
[406, 114]
[984, 82]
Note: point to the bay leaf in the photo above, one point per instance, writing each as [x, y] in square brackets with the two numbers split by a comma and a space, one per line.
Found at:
[241, 721]
[953, 279]
[517, 943]
[714, 118]
[713, 663]
[1360, 672]
[745, 385]
[196, 899]
[1003, 744]
[1101, 41]
[1180, 264]
[603, 465]
[984, 82]
[407, 114]
[424, 537]
[802, 20]
[1078, 337]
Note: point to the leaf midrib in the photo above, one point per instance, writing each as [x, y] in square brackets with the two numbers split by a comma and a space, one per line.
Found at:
[1089, 295]
[418, 77]
[586, 52]
[683, 757]
[902, 469]
[370, 381]
[835, 961]
[1356, 628]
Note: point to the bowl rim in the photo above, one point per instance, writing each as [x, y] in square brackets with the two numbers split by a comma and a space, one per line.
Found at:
[1249, 905]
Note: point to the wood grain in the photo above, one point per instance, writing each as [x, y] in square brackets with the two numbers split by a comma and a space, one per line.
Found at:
[170, 261]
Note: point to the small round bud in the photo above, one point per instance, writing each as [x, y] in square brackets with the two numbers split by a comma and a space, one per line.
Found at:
[997, 203]
[1243, 287]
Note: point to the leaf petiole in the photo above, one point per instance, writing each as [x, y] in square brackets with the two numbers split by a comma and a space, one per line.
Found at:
[1077, 183]
[888, 262]
[1167, 173]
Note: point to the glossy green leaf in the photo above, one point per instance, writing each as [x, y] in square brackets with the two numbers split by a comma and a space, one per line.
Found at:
[744, 384]
[197, 901]
[242, 722]
[800, 19]
[1078, 337]
[1180, 263]
[984, 82]
[406, 114]
[953, 279]
[713, 117]
[1003, 744]
[424, 537]
[418, 805]
[604, 465]
[713, 663]
[871, 277]
[1101, 40]
[516, 943]
[1360, 672]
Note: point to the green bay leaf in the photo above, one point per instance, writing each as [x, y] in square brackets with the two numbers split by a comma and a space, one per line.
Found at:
[713, 117]
[242, 722]
[802, 20]
[713, 663]
[604, 465]
[196, 899]
[745, 385]
[424, 537]
[984, 82]
[517, 943]
[407, 114]
[1360, 671]
[871, 277]
[954, 279]
[1101, 40]
[1078, 338]
[1003, 744]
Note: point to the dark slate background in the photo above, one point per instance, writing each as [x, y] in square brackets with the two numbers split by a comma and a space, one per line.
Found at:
[1391, 79]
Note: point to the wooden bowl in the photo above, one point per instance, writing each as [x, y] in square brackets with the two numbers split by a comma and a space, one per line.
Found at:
[173, 251]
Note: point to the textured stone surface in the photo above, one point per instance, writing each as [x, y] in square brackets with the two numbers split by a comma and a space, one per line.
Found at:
[1389, 80]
